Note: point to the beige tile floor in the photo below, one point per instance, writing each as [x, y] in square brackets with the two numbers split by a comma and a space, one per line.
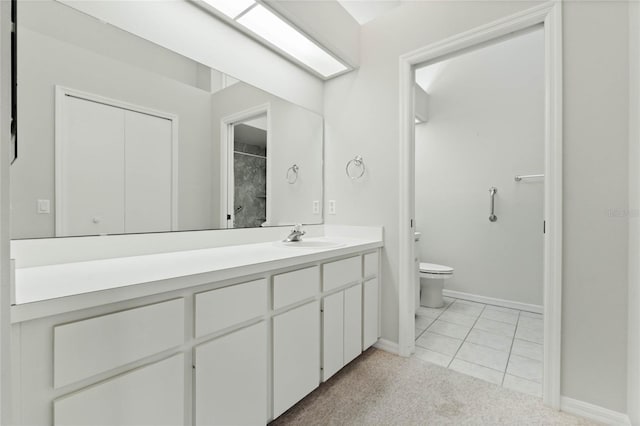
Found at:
[499, 345]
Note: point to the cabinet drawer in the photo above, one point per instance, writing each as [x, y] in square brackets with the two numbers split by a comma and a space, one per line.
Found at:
[371, 265]
[222, 308]
[341, 272]
[151, 395]
[295, 286]
[85, 348]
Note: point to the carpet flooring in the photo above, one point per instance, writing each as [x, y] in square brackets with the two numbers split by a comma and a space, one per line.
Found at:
[379, 388]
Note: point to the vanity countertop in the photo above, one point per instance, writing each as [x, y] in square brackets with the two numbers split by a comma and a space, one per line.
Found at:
[52, 289]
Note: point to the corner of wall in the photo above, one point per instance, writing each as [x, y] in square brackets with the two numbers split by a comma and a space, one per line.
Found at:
[633, 343]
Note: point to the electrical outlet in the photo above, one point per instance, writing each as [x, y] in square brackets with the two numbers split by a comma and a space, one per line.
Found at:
[44, 207]
[316, 207]
[332, 206]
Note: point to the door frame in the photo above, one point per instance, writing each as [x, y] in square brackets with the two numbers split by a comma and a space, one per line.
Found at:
[226, 159]
[550, 16]
[60, 134]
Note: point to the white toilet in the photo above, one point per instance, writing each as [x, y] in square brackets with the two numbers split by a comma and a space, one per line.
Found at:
[429, 280]
[432, 278]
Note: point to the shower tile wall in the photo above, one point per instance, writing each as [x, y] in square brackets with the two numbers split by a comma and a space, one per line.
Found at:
[250, 180]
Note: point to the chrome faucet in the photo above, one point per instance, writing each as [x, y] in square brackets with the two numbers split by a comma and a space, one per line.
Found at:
[296, 234]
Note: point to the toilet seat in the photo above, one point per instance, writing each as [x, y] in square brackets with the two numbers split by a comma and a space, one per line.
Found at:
[435, 269]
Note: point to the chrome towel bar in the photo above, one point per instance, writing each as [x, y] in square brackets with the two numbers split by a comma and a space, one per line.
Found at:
[492, 195]
[518, 178]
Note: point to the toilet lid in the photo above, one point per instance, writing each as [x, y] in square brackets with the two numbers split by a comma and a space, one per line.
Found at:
[435, 269]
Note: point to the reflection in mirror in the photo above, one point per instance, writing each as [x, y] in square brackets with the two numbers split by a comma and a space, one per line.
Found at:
[249, 172]
[119, 135]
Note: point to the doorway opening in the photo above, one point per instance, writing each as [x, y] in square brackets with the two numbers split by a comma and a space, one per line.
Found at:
[547, 16]
[249, 173]
[479, 131]
[246, 169]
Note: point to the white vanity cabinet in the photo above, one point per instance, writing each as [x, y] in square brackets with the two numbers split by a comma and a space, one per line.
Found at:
[342, 314]
[371, 300]
[236, 352]
[370, 313]
[230, 371]
[151, 395]
[296, 336]
[231, 378]
[341, 329]
[296, 355]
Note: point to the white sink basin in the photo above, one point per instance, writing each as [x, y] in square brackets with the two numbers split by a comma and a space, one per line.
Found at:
[312, 244]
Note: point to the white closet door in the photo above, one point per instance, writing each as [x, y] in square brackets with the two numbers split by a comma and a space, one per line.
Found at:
[90, 169]
[148, 173]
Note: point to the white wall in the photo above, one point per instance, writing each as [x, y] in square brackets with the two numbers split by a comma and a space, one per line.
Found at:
[594, 315]
[296, 138]
[633, 354]
[46, 62]
[483, 128]
[361, 113]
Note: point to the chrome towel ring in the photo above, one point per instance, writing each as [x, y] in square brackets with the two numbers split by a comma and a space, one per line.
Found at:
[292, 174]
[353, 166]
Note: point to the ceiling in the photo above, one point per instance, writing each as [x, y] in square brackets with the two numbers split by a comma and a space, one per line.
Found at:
[250, 135]
[364, 11]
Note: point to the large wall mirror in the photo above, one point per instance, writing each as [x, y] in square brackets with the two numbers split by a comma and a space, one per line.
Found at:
[119, 135]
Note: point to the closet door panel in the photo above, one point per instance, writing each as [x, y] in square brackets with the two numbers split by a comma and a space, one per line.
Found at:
[148, 173]
[90, 169]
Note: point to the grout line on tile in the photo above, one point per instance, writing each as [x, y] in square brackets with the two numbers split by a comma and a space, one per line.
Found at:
[467, 335]
[513, 339]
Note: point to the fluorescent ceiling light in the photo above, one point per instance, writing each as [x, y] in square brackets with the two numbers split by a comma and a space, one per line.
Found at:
[279, 33]
[231, 8]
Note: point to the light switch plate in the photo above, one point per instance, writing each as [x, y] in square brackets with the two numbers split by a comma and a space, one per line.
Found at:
[316, 207]
[44, 206]
[332, 206]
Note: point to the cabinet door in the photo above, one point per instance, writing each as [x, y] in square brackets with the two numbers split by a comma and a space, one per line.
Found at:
[231, 378]
[296, 355]
[352, 323]
[332, 334]
[370, 314]
[151, 395]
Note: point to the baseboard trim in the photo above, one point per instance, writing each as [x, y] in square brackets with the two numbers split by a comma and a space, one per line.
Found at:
[387, 346]
[538, 309]
[593, 412]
